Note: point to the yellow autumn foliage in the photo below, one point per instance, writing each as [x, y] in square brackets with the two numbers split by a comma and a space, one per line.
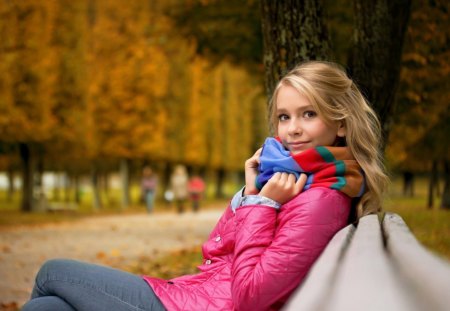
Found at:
[94, 80]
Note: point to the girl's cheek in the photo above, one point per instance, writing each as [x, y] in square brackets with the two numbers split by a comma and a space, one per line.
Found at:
[284, 145]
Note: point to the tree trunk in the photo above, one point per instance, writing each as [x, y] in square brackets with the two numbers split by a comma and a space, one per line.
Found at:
[76, 182]
[375, 60]
[125, 176]
[445, 203]
[166, 176]
[67, 187]
[96, 200]
[27, 177]
[293, 31]
[57, 187]
[106, 183]
[408, 184]
[219, 183]
[39, 174]
[432, 184]
[10, 194]
[40, 203]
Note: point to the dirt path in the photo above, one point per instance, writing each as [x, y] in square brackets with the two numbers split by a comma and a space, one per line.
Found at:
[106, 240]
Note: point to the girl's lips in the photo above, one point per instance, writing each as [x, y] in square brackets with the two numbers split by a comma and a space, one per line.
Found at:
[298, 146]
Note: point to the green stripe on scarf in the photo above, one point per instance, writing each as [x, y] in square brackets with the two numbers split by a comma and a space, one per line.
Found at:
[340, 167]
[325, 154]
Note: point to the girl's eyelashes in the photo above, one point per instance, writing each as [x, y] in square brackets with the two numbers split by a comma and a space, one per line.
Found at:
[309, 114]
[306, 115]
[283, 117]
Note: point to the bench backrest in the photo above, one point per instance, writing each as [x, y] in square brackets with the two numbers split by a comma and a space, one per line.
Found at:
[378, 265]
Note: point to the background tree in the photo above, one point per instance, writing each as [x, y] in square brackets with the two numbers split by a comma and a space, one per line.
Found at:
[69, 93]
[93, 86]
[374, 62]
[293, 31]
[129, 119]
[27, 79]
[420, 136]
[88, 85]
[222, 30]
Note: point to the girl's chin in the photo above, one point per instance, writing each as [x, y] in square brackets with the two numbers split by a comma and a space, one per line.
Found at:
[296, 151]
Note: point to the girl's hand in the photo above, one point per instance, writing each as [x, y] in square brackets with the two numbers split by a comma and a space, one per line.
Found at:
[282, 187]
[251, 171]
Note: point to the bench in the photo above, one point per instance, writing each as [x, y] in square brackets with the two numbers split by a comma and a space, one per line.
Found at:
[55, 207]
[43, 205]
[376, 265]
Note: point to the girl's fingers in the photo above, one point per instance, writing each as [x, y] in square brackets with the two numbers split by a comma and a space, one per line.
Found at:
[291, 179]
[301, 181]
[282, 187]
[257, 155]
[276, 176]
[284, 178]
[253, 162]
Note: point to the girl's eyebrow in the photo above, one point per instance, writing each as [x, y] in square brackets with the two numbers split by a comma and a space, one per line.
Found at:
[301, 108]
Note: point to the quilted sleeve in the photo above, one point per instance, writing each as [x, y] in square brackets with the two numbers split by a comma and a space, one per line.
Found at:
[274, 251]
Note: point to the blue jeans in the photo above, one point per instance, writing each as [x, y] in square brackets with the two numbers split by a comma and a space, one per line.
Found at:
[149, 200]
[71, 285]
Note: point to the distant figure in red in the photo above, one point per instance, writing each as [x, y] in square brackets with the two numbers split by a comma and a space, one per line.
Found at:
[196, 187]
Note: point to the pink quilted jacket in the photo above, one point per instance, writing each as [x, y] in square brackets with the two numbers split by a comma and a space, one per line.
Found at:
[254, 259]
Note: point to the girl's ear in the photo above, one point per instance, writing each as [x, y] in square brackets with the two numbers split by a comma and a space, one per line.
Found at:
[341, 129]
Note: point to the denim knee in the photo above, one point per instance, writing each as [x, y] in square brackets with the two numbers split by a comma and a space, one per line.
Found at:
[44, 274]
[47, 303]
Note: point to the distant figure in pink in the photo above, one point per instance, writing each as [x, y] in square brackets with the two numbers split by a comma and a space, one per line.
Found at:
[148, 187]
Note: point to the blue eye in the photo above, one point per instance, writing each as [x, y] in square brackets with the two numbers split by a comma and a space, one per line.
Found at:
[309, 114]
[283, 117]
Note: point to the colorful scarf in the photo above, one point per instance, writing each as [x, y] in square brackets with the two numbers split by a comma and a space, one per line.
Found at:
[331, 167]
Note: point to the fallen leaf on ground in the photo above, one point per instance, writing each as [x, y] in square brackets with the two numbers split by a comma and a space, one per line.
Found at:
[9, 306]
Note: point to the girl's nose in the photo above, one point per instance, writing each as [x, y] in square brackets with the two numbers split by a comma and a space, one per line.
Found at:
[294, 127]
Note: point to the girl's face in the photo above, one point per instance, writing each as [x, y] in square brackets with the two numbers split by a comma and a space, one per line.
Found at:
[299, 126]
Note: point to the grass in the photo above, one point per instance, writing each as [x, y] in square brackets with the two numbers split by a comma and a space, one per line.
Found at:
[430, 226]
[168, 266]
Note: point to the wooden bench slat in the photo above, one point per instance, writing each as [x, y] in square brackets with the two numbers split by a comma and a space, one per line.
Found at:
[366, 279]
[426, 274]
[315, 288]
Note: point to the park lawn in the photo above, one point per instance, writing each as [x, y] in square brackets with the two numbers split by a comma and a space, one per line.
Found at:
[169, 265]
[430, 226]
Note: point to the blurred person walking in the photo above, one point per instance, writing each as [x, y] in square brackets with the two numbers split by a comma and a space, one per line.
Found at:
[179, 186]
[149, 183]
[196, 187]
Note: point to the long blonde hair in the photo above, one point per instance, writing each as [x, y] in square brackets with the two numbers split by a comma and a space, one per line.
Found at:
[336, 98]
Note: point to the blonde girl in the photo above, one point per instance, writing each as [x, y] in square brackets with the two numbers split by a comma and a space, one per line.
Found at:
[336, 98]
[299, 189]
